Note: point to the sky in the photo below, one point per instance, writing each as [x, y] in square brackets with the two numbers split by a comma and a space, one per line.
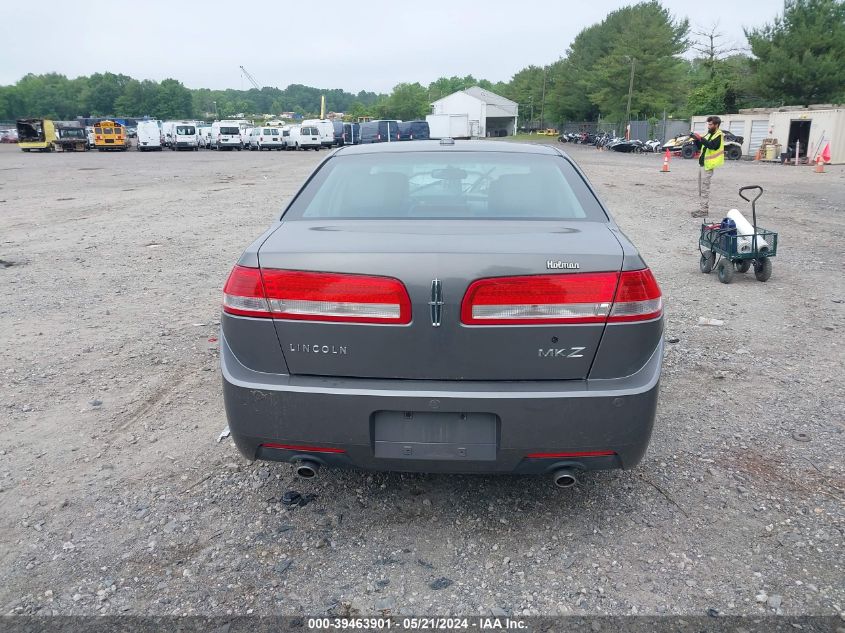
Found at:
[354, 46]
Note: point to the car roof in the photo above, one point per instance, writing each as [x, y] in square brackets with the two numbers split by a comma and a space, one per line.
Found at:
[463, 146]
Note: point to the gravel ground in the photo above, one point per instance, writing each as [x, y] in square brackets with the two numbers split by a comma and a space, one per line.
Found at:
[117, 499]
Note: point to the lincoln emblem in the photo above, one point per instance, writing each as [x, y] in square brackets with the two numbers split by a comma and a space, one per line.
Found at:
[436, 302]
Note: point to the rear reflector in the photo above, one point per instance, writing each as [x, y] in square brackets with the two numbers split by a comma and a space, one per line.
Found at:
[309, 449]
[559, 455]
[563, 298]
[309, 296]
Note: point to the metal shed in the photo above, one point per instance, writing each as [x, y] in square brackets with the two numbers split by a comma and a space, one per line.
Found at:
[812, 127]
[489, 114]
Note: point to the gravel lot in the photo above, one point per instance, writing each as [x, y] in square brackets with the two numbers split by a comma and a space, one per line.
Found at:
[117, 499]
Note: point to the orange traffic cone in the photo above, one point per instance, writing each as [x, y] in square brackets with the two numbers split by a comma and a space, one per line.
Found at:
[665, 168]
[819, 165]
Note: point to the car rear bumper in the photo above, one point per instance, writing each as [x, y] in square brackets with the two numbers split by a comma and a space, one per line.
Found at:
[536, 426]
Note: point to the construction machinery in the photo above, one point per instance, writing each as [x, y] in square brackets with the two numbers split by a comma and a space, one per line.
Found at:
[36, 134]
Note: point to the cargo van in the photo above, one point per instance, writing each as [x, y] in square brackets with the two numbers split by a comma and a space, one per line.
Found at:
[419, 130]
[325, 128]
[184, 136]
[351, 133]
[268, 138]
[382, 131]
[338, 132]
[290, 134]
[149, 136]
[204, 131]
[226, 135]
[167, 133]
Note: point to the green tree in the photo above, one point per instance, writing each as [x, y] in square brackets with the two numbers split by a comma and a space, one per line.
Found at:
[407, 102]
[648, 39]
[101, 92]
[574, 78]
[173, 100]
[798, 60]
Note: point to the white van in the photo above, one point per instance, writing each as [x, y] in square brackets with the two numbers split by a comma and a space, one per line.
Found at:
[265, 137]
[226, 135]
[184, 136]
[246, 132]
[204, 131]
[325, 128]
[309, 138]
[149, 136]
[167, 133]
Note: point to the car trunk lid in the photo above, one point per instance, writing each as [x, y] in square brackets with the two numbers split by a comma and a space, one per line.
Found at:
[437, 261]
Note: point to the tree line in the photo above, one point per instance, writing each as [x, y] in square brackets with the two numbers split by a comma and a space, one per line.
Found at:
[631, 64]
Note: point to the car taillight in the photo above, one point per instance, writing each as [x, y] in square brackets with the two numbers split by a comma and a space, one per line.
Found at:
[563, 298]
[539, 299]
[378, 137]
[638, 297]
[244, 294]
[310, 296]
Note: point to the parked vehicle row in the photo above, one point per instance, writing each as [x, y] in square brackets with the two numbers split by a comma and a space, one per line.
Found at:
[232, 134]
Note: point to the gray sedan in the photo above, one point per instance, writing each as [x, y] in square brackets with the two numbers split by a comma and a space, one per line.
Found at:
[461, 307]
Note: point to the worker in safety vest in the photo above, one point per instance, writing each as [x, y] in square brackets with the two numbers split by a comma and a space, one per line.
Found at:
[712, 156]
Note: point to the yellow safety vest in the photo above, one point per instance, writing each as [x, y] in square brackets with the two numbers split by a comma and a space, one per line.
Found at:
[714, 158]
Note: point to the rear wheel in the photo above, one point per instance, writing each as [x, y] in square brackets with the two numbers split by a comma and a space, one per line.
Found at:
[726, 271]
[742, 265]
[763, 268]
[688, 151]
[732, 152]
[706, 262]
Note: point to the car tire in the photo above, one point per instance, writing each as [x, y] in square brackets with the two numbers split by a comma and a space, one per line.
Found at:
[726, 271]
[733, 153]
[742, 265]
[763, 268]
[688, 151]
[705, 264]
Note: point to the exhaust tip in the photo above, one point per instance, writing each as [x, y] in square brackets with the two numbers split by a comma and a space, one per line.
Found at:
[564, 478]
[307, 470]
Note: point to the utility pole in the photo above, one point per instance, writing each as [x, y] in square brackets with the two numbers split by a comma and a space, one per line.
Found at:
[630, 93]
[543, 105]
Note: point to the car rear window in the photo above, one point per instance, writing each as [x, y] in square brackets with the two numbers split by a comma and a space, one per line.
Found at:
[447, 185]
[186, 129]
[230, 130]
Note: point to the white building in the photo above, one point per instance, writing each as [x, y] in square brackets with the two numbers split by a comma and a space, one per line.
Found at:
[812, 128]
[487, 114]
